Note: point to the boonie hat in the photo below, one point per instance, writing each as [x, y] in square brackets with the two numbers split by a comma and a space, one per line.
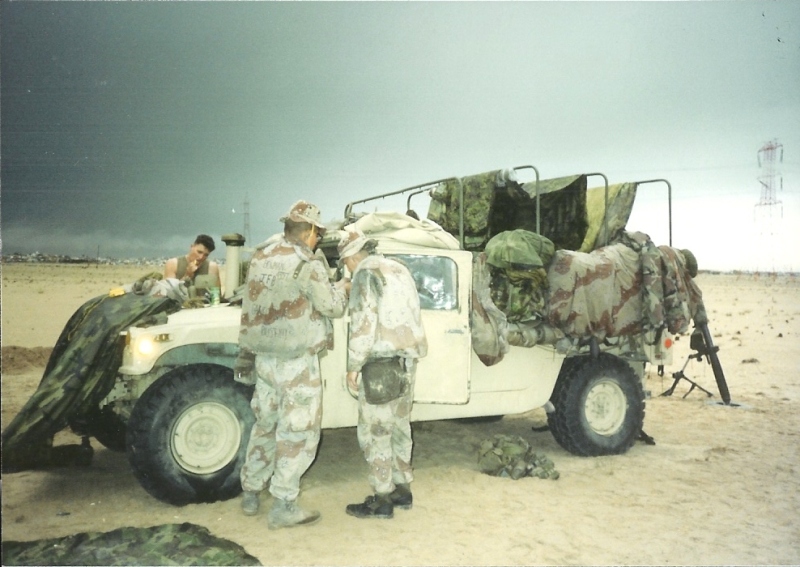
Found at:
[351, 243]
[303, 211]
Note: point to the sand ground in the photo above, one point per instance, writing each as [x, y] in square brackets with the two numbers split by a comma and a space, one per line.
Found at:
[721, 485]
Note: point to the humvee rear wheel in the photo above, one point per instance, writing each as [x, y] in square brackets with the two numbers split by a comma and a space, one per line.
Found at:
[599, 407]
[188, 433]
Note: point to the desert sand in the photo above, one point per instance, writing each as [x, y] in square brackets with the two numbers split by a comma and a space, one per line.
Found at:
[720, 486]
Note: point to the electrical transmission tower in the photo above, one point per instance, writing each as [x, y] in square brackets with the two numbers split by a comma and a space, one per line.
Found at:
[247, 220]
[768, 155]
[768, 223]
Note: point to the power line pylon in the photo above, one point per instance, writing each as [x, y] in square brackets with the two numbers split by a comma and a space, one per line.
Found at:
[770, 177]
[768, 223]
[246, 219]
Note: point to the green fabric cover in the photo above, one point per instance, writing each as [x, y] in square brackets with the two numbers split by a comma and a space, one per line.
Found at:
[167, 544]
[80, 372]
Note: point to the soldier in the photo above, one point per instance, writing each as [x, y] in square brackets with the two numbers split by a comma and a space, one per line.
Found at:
[385, 333]
[195, 263]
[284, 326]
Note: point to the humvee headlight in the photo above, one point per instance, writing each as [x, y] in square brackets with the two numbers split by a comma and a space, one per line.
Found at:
[145, 346]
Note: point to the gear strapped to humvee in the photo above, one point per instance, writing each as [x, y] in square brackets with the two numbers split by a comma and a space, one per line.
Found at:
[533, 295]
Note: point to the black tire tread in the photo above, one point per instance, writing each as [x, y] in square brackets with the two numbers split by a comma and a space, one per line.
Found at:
[150, 424]
[565, 422]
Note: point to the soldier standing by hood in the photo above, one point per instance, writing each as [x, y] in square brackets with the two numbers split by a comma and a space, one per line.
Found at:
[385, 333]
[285, 325]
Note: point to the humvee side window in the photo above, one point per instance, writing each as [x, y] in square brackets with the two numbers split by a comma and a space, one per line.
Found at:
[436, 278]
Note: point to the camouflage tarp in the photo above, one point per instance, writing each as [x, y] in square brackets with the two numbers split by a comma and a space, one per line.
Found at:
[563, 211]
[620, 204]
[79, 374]
[596, 294]
[488, 324]
[622, 289]
[168, 544]
[479, 193]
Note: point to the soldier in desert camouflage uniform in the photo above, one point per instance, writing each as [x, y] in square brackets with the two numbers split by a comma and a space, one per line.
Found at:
[385, 322]
[284, 326]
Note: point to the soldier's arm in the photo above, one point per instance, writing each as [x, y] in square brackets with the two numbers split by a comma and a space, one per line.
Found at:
[213, 270]
[364, 297]
[328, 299]
[171, 268]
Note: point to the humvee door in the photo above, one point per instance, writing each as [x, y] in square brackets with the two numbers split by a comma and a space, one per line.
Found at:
[443, 283]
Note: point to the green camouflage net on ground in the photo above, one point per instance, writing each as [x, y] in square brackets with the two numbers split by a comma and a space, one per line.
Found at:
[167, 544]
[510, 456]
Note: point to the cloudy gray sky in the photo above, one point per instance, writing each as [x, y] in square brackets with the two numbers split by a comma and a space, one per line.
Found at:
[135, 126]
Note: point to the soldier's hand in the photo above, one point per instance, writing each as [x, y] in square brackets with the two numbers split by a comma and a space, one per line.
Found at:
[352, 382]
[244, 368]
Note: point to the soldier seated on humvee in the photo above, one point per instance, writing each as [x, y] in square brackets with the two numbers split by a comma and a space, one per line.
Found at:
[195, 263]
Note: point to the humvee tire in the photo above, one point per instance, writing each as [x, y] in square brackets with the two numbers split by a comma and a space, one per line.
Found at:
[188, 433]
[599, 406]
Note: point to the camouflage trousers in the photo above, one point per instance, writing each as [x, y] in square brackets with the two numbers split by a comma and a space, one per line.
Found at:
[384, 434]
[287, 404]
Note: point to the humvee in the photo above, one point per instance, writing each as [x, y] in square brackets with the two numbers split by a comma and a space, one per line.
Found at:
[184, 421]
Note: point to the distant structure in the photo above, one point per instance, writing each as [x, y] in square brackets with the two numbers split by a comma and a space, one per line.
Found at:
[766, 210]
[247, 220]
[246, 216]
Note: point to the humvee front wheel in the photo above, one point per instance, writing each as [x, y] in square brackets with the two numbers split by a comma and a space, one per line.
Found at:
[599, 407]
[188, 433]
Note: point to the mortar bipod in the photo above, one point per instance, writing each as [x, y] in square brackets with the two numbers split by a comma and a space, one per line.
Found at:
[702, 343]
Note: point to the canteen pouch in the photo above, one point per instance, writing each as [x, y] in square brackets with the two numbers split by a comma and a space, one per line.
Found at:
[384, 380]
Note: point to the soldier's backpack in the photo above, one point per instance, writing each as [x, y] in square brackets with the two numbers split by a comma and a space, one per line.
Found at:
[510, 456]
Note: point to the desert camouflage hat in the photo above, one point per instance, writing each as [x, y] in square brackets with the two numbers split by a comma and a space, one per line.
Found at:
[303, 211]
[352, 242]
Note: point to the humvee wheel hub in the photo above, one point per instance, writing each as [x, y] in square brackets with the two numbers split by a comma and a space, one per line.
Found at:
[205, 438]
[605, 407]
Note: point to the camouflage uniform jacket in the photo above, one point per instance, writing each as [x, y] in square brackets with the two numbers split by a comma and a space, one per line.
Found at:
[287, 302]
[385, 317]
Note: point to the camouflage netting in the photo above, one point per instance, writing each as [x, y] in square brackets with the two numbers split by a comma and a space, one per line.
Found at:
[582, 275]
[571, 216]
[79, 374]
[168, 544]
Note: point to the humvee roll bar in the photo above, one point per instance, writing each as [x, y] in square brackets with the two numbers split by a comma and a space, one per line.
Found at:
[427, 187]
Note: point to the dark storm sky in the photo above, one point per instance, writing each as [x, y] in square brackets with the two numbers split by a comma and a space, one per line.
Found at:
[135, 126]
